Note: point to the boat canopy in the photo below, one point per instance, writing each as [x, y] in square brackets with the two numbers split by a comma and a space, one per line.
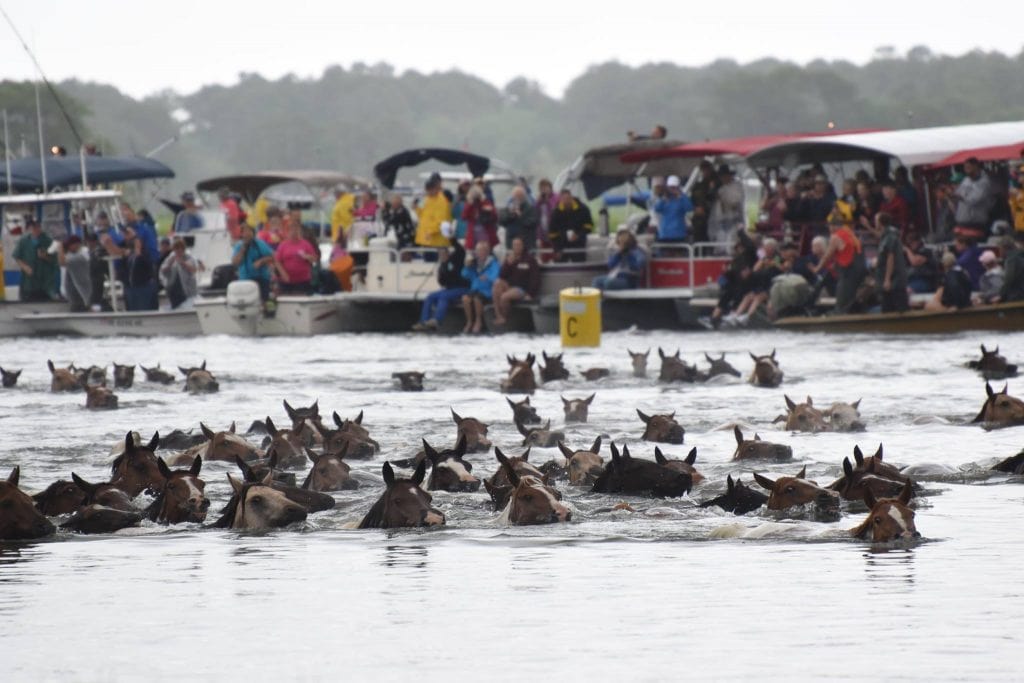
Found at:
[602, 168]
[994, 153]
[739, 147]
[386, 171]
[911, 147]
[27, 176]
[251, 185]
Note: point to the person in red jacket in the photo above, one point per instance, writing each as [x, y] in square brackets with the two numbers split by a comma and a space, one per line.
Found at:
[481, 218]
[894, 205]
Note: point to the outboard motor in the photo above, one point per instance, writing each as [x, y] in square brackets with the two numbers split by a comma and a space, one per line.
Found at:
[244, 305]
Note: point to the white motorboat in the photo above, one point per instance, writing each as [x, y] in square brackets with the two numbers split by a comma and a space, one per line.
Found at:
[240, 312]
[111, 323]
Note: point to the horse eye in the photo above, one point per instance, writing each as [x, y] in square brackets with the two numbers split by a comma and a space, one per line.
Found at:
[256, 500]
[878, 520]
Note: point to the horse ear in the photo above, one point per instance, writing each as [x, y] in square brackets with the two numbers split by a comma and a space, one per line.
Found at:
[691, 457]
[236, 485]
[531, 359]
[359, 418]
[566, 451]
[338, 422]
[676, 354]
[757, 437]
[49, 364]
[729, 483]
[869, 499]
[1006, 389]
[590, 399]
[856, 404]
[752, 357]
[659, 457]
[203, 366]
[996, 350]
[269, 479]
[510, 403]
[289, 410]
[847, 468]
[311, 454]
[645, 418]
[878, 453]
[509, 470]
[708, 357]
[420, 473]
[85, 486]
[510, 360]
[544, 355]
[526, 401]
[247, 472]
[802, 474]
[789, 403]
[231, 429]
[773, 354]
[988, 390]
[906, 493]
[460, 447]
[595, 448]
[15, 476]
[197, 466]
[154, 443]
[616, 459]
[431, 454]
[983, 351]
[207, 432]
[183, 371]
[165, 471]
[810, 403]
[565, 403]
[547, 425]
[661, 354]
[858, 455]
[738, 434]
[455, 416]
[765, 482]
[271, 427]
[526, 454]
[129, 442]
[389, 474]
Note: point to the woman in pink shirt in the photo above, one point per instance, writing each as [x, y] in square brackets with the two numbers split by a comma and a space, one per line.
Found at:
[294, 261]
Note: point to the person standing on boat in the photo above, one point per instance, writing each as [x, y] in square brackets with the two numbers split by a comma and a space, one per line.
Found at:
[518, 280]
[451, 261]
[481, 273]
[178, 273]
[890, 265]
[672, 207]
[77, 284]
[625, 266]
[188, 219]
[571, 222]
[481, 218]
[232, 212]
[845, 249]
[253, 259]
[974, 199]
[294, 261]
[139, 275]
[520, 219]
[727, 208]
[432, 211]
[703, 194]
[894, 205]
[398, 220]
[38, 266]
[547, 200]
[342, 215]
[1013, 271]
[144, 230]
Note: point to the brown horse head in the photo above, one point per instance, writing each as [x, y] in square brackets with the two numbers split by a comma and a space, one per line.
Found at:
[521, 379]
[531, 501]
[448, 471]
[552, 369]
[520, 464]
[879, 467]
[720, 366]
[311, 501]
[738, 498]
[662, 428]
[786, 492]
[224, 446]
[890, 519]
[844, 417]
[766, 371]
[350, 437]
[182, 498]
[300, 415]
[100, 398]
[286, 446]
[584, 467]
[541, 437]
[993, 365]
[675, 369]
[329, 473]
[855, 482]
[92, 376]
[9, 377]
[59, 498]
[639, 361]
[136, 469]
[19, 518]
[157, 375]
[576, 408]
[685, 465]
[409, 381]
[1000, 409]
[63, 379]
[259, 506]
[594, 374]
[756, 448]
[404, 503]
[638, 477]
[523, 412]
[473, 431]
[199, 380]
[107, 495]
[803, 417]
[124, 376]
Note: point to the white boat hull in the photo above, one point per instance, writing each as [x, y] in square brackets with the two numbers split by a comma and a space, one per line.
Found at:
[121, 324]
[297, 316]
[11, 311]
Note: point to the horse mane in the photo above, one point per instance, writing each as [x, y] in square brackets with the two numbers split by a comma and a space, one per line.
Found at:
[152, 512]
[374, 519]
[116, 465]
[980, 417]
[861, 530]
[227, 517]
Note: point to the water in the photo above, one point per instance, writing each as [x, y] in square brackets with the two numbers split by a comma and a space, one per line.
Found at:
[612, 595]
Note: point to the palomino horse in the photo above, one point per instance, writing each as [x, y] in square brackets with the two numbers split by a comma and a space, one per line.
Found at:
[258, 505]
[199, 380]
[662, 428]
[720, 366]
[523, 411]
[584, 467]
[329, 473]
[685, 465]
[639, 362]
[312, 501]
[541, 437]
[766, 371]
[157, 375]
[531, 501]
[890, 519]
[633, 476]
[803, 417]
[786, 492]
[594, 374]
[738, 498]
[19, 518]
[124, 376]
[576, 409]
[675, 369]
[844, 417]
[410, 380]
[107, 495]
[448, 470]
[992, 365]
[100, 398]
[63, 379]
[473, 431]
[758, 449]
[521, 379]
[9, 377]
[1000, 409]
[553, 369]
[136, 469]
[403, 504]
[181, 499]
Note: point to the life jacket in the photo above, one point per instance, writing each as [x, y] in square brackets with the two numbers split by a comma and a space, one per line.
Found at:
[851, 246]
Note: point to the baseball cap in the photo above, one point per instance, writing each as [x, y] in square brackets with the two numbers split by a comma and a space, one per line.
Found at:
[673, 181]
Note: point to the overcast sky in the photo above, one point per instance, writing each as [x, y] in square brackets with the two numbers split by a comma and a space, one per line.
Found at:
[143, 46]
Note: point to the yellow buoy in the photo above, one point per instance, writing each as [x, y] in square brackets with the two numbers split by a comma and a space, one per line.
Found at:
[579, 314]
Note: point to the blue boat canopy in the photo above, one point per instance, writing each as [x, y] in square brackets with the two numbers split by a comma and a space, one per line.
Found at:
[27, 176]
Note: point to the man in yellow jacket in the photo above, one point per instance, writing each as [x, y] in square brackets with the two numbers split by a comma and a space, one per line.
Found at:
[341, 214]
[432, 211]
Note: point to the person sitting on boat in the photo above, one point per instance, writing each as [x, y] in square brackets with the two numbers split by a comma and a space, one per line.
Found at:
[294, 259]
[991, 281]
[451, 261]
[77, 283]
[178, 272]
[974, 198]
[433, 210]
[968, 253]
[38, 266]
[253, 258]
[481, 272]
[923, 274]
[789, 290]
[481, 218]
[672, 207]
[520, 219]
[518, 280]
[189, 218]
[734, 280]
[398, 220]
[570, 224]
[273, 231]
[769, 264]
[342, 215]
[625, 266]
[893, 205]
[1013, 271]
[138, 274]
[955, 290]
[890, 265]
[845, 249]
[144, 230]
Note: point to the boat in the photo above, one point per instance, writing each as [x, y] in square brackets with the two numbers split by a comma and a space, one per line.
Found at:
[1005, 317]
[113, 324]
[240, 312]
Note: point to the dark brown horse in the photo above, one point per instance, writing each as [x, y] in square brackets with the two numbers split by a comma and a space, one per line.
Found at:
[584, 467]
[62, 497]
[9, 377]
[19, 518]
[136, 469]
[854, 483]
[576, 409]
[675, 369]
[766, 371]
[992, 365]
[124, 376]
[403, 504]
[99, 519]
[633, 476]
[157, 375]
[410, 380]
[259, 506]
[106, 495]
[890, 519]
[662, 428]
[329, 473]
[720, 366]
[786, 492]
[182, 498]
[100, 398]
[92, 376]
[63, 379]
[531, 501]
[448, 470]
[473, 431]
[521, 379]
[639, 362]
[541, 437]
[758, 449]
[523, 412]
[553, 369]
[594, 374]
[199, 380]
[738, 498]
[686, 465]
[1000, 409]
[803, 417]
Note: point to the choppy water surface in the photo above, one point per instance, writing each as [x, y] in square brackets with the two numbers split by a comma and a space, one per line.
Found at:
[612, 595]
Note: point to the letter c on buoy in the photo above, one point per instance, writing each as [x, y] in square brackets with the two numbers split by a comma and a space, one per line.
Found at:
[570, 326]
